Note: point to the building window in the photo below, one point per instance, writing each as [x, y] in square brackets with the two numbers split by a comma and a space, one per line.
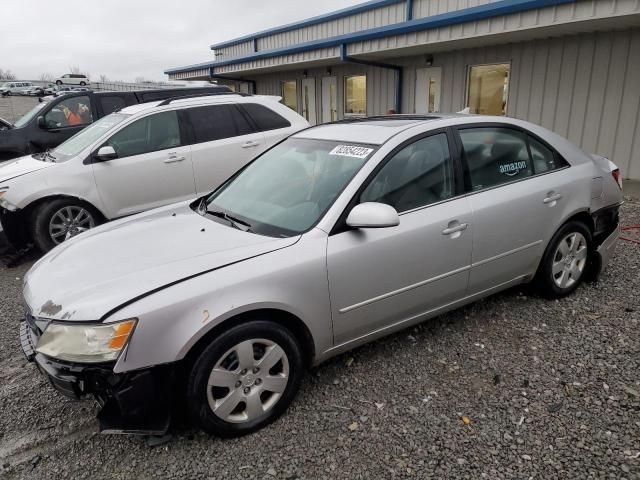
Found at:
[290, 94]
[488, 89]
[355, 95]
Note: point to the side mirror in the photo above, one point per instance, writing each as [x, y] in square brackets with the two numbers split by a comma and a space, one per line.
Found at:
[373, 215]
[41, 123]
[105, 153]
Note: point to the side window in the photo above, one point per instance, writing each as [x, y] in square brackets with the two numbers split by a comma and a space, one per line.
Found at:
[495, 156]
[111, 104]
[265, 118]
[418, 175]
[149, 134]
[543, 158]
[217, 122]
[70, 112]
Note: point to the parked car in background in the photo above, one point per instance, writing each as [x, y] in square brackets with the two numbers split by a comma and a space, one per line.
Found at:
[339, 235]
[40, 91]
[73, 79]
[41, 128]
[15, 88]
[142, 157]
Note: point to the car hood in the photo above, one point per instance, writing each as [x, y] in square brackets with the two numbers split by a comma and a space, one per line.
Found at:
[21, 166]
[91, 275]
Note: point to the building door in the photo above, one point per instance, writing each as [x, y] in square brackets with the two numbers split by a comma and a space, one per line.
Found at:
[428, 85]
[309, 100]
[329, 99]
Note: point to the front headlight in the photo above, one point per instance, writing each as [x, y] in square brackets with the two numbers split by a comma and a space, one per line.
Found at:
[85, 343]
[4, 203]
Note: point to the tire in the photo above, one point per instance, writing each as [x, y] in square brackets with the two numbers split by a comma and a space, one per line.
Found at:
[566, 261]
[58, 82]
[51, 223]
[82, 84]
[247, 389]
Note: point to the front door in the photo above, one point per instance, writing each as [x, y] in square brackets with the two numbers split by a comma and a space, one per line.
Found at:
[428, 84]
[63, 120]
[329, 99]
[387, 276]
[309, 100]
[153, 167]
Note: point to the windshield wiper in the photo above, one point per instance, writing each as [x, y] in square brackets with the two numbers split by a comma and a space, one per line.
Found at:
[234, 221]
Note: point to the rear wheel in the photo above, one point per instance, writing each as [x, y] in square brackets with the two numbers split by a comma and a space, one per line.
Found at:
[245, 379]
[565, 261]
[59, 82]
[82, 84]
[59, 220]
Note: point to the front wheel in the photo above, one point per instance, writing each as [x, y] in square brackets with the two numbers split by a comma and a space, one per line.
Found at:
[82, 84]
[565, 261]
[245, 379]
[59, 82]
[59, 220]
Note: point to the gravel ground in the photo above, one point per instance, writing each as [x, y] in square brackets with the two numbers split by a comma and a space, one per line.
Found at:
[13, 107]
[510, 387]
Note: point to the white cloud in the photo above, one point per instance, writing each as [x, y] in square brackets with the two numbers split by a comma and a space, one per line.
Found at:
[125, 39]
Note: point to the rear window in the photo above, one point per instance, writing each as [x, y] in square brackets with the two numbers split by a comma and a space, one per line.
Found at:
[265, 118]
[216, 122]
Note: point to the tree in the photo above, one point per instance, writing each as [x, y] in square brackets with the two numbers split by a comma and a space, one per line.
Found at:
[46, 77]
[75, 69]
[103, 78]
[7, 75]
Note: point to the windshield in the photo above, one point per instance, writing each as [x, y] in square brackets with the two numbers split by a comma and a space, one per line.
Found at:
[86, 137]
[287, 190]
[26, 118]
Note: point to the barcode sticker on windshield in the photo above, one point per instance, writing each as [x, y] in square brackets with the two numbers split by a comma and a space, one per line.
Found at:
[351, 151]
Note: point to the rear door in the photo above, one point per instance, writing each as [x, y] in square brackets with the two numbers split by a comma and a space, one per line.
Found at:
[273, 125]
[153, 167]
[518, 191]
[223, 142]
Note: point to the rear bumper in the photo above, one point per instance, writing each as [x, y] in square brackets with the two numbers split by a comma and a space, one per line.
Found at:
[607, 247]
[137, 402]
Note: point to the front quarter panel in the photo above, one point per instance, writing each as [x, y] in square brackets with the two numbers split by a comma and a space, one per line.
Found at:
[171, 321]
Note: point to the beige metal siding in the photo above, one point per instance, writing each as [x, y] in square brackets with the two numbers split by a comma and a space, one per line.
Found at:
[584, 87]
[323, 54]
[387, 15]
[244, 48]
[428, 8]
[572, 17]
[199, 74]
[380, 85]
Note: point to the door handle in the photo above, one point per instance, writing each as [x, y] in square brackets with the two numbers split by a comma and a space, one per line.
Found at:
[455, 229]
[551, 198]
[173, 158]
[250, 144]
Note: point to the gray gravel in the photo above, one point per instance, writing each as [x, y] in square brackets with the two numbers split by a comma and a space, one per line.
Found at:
[548, 389]
[13, 107]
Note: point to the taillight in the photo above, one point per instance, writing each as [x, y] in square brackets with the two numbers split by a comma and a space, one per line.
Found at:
[617, 177]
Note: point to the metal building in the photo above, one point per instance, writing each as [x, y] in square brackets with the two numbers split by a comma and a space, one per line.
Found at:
[570, 65]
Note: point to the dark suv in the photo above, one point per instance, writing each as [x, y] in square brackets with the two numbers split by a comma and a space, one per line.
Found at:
[49, 124]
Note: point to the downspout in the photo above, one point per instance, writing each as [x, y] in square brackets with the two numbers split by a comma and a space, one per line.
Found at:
[213, 76]
[344, 58]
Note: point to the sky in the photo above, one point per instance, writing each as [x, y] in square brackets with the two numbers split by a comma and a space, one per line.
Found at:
[128, 39]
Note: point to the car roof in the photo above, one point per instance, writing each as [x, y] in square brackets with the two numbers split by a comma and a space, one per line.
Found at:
[371, 130]
[204, 99]
[378, 130]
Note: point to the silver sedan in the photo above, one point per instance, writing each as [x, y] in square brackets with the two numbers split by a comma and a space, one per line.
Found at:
[341, 234]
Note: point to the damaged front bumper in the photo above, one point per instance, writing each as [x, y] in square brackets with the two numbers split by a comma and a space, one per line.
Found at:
[137, 402]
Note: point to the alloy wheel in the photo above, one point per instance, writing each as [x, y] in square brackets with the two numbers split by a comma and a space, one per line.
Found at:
[248, 380]
[569, 260]
[68, 222]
